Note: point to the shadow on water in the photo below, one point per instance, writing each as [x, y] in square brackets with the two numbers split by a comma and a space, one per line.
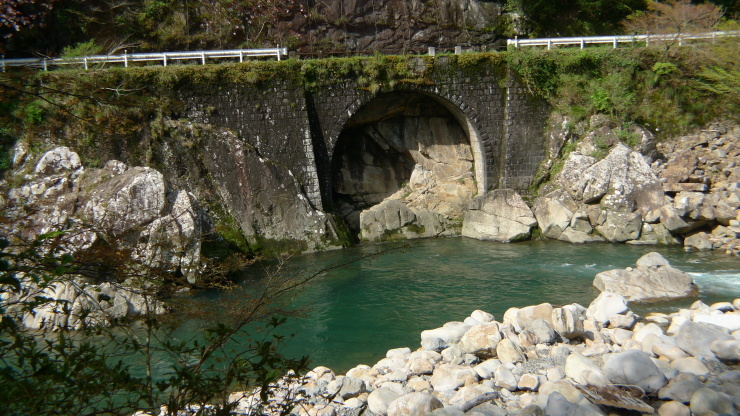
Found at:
[355, 313]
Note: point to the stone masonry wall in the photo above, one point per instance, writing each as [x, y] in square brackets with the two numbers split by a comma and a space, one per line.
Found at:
[523, 141]
[299, 129]
[272, 118]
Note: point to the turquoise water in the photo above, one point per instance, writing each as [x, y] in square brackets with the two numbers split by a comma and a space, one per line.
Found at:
[355, 313]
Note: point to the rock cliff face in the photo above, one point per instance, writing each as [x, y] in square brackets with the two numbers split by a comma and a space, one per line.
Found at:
[366, 25]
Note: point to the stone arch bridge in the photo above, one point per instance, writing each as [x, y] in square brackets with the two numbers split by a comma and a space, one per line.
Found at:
[300, 128]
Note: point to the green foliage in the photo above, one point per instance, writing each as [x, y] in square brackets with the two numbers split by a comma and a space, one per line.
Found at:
[81, 49]
[664, 68]
[31, 114]
[667, 94]
[550, 18]
[90, 371]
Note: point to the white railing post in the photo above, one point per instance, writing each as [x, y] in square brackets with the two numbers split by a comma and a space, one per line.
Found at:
[86, 63]
[278, 52]
[45, 67]
[615, 42]
[241, 56]
[125, 58]
[164, 59]
[203, 57]
[516, 42]
[583, 43]
[549, 44]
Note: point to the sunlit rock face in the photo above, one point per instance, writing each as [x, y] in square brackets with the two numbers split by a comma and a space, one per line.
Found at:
[408, 148]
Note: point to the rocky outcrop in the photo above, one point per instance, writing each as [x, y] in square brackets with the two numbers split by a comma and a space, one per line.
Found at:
[366, 25]
[501, 215]
[124, 207]
[73, 304]
[689, 195]
[652, 279]
[683, 366]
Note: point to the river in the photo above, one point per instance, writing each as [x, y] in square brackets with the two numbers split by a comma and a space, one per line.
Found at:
[355, 313]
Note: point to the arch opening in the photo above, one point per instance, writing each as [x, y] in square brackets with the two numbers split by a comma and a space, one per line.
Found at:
[406, 165]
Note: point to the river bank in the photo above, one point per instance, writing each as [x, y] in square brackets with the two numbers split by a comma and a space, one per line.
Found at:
[527, 361]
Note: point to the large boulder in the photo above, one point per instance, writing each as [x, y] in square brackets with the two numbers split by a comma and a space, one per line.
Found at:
[696, 338]
[554, 212]
[584, 371]
[450, 377]
[57, 160]
[567, 322]
[634, 367]
[481, 338]
[117, 204]
[173, 242]
[380, 399]
[501, 215]
[623, 180]
[619, 227]
[680, 388]
[605, 306]
[414, 404]
[382, 220]
[440, 338]
[647, 282]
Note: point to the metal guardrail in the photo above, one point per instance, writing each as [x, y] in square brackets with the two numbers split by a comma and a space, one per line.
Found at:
[126, 59]
[615, 40]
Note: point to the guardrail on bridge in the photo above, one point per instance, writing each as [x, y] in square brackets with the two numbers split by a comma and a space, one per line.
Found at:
[163, 57]
[615, 40]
